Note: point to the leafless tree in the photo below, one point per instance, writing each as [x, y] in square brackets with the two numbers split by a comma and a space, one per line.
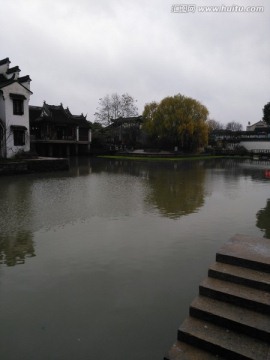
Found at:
[214, 125]
[114, 106]
[234, 126]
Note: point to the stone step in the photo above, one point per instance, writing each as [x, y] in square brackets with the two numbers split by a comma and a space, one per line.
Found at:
[232, 317]
[242, 250]
[221, 341]
[184, 351]
[240, 275]
[240, 295]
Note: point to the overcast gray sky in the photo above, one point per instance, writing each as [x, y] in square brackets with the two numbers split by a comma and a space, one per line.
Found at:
[77, 51]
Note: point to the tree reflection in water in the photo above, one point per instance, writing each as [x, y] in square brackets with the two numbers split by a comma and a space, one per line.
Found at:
[15, 248]
[263, 220]
[180, 194]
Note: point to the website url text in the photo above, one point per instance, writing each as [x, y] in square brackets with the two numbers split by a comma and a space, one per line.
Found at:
[191, 8]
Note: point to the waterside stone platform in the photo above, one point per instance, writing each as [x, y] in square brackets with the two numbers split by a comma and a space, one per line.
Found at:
[230, 318]
[33, 165]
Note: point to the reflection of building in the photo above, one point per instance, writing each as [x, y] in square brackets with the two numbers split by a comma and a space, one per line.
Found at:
[14, 112]
[56, 132]
[14, 249]
[124, 132]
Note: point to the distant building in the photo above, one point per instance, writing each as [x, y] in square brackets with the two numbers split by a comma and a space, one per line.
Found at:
[14, 110]
[255, 138]
[124, 132]
[258, 125]
[56, 132]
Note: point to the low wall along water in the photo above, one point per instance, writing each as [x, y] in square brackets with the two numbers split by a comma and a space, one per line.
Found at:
[34, 165]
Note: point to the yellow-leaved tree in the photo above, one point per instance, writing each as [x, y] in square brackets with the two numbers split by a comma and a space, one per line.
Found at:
[177, 121]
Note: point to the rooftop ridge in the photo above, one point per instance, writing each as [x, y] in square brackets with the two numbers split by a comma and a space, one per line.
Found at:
[13, 69]
[4, 61]
[24, 78]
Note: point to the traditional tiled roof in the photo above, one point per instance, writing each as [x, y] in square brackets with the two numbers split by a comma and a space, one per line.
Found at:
[133, 120]
[4, 81]
[34, 112]
[13, 70]
[127, 119]
[56, 114]
[257, 126]
[260, 123]
[23, 79]
[4, 61]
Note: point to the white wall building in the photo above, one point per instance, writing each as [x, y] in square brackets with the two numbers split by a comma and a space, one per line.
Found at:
[14, 110]
[258, 125]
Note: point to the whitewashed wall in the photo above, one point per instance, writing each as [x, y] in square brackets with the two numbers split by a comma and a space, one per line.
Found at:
[4, 68]
[2, 108]
[256, 145]
[11, 119]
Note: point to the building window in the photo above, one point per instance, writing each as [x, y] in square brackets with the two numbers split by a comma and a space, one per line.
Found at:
[18, 103]
[19, 137]
[18, 134]
[17, 107]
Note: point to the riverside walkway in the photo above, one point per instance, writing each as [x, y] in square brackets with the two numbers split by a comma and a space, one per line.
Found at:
[230, 318]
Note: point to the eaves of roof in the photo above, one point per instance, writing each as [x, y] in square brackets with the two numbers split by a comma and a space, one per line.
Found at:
[5, 82]
[8, 82]
[4, 61]
[58, 112]
[13, 70]
[131, 119]
[23, 79]
[59, 122]
[34, 112]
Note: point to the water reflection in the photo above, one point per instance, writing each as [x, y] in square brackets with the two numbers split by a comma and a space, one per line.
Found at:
[108, 252]
[257, 170]
[15, 248]
[16, 239]
[112, 189]
[178, 189]
[263, 220]
[174, 188]
[15, 204]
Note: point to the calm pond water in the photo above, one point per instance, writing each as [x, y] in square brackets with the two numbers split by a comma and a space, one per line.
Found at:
[102, 262]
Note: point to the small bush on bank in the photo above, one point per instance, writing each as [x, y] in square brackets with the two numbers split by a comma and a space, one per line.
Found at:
[241, 150]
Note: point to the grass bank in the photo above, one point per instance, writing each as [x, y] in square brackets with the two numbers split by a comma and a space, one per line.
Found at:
[175, 158]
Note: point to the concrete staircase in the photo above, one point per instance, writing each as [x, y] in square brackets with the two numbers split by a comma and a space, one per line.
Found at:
[230, 319]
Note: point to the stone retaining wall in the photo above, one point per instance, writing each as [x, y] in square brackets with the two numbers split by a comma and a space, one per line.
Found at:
[13, 168]
[34, 165]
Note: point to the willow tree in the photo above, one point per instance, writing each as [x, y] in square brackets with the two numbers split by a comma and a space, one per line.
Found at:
[179, 120]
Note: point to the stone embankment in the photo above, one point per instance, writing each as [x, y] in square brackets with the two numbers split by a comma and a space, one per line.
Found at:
[33, 165]
[230, 319]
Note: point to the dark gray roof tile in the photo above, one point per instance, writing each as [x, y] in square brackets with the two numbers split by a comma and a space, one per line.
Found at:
[4, 61]
[13, 70]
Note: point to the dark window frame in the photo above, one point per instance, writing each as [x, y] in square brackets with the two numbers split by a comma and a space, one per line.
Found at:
[18, 137]
[18, 103]
[18, 107]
